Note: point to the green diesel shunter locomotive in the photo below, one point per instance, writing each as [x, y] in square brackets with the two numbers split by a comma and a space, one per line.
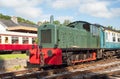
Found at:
[78, 41]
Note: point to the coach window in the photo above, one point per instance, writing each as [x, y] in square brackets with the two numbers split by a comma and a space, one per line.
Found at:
[25, 40]
[6, 40]
[106, 36]
[118, 39]
[15, 40]
[0, 39]
[33, 41]
[113, 34]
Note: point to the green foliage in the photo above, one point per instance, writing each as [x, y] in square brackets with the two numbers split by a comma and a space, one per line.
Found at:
[66, 22]
[17, 67]
[24, 21]
[4, 17]
[36, 40]
[20, 19]
[45, 22]
[56, 22]
[12, 56]
[110, 27]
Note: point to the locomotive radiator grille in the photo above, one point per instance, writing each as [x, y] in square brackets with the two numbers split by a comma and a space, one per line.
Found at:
[46, 36]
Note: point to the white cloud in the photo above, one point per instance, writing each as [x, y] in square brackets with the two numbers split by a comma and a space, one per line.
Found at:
[95, 8]
[98, 8]
[12, 3]
[29, 12]
[17, 3]
[59, 18]
[31, 8]
[44, 17]
[115, 12]
[24, 8]
[62, 4]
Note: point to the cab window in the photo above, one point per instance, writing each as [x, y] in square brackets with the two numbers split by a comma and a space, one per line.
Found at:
[94, 30]
[86, 27]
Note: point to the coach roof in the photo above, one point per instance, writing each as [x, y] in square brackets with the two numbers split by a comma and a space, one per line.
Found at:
[11, 25]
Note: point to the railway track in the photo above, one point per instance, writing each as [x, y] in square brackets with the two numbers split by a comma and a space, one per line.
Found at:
[100, 68]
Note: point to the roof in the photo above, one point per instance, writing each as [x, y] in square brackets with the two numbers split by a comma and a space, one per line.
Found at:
[21, 27]
[107, 28]
[8, 23]
[78, 22]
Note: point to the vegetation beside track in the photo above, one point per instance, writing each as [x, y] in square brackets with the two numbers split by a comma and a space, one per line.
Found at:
[12, 56]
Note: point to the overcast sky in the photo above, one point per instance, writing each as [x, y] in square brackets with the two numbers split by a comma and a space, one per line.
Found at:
[104, 12]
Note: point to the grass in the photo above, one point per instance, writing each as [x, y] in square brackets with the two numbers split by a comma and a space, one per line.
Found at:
[17, 67]
[12, 56]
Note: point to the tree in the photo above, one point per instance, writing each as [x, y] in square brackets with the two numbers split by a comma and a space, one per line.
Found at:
[66, 22]
[110, 27]
[4, 17]
[24, 20]
[56, 22]
[20, 19]
[45, 22]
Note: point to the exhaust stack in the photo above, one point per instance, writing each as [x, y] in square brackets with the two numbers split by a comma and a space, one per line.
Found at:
[51, 19]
